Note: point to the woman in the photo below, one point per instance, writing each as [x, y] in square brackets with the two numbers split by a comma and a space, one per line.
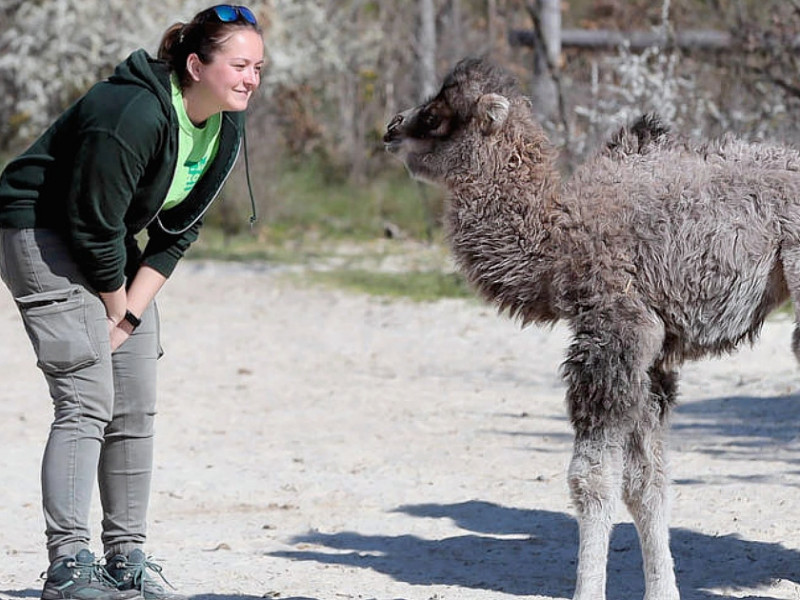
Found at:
[148, 148]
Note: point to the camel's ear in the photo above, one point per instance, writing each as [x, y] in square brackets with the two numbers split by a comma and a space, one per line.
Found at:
[492, 112]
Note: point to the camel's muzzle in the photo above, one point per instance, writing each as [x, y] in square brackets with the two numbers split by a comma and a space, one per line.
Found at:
[393, 137]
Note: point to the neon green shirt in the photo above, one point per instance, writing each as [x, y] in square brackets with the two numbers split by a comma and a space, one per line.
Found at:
[197, 147]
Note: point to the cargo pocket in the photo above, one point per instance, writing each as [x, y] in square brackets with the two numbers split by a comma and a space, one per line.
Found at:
[57, 326]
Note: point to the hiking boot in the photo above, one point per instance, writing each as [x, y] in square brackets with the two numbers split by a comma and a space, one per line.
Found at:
[81, 578]
[130, 573]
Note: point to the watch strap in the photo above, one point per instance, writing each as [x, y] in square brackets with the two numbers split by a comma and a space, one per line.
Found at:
[132, 319]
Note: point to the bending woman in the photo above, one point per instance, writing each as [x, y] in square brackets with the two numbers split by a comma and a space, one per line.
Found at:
[148, 148]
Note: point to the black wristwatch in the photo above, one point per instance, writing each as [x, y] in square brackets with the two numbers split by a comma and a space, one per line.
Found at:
[132, 319]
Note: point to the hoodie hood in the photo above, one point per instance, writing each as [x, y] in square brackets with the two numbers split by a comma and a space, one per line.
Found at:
[145, 71]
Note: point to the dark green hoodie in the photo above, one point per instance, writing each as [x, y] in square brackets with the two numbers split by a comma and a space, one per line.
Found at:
[100, 173]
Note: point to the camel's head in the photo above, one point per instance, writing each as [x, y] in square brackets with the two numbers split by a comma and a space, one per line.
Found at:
[445, 133]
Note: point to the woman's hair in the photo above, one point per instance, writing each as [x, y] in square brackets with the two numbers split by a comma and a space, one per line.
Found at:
[204, 35]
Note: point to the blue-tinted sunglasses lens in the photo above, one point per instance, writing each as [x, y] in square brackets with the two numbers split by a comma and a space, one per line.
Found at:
[228, 13]
[225, 13]
[247, 15]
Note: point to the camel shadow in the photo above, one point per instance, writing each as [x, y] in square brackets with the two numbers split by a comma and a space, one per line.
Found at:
[533, 552]
[750, 420]
[749, 426]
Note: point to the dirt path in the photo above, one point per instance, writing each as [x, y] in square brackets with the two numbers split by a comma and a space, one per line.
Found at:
[314, 444]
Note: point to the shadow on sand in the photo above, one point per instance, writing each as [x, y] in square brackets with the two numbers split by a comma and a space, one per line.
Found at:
[30, 593]
[532, 552]
[748, 423]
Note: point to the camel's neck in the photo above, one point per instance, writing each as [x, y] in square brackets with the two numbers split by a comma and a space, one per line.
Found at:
[502, 234]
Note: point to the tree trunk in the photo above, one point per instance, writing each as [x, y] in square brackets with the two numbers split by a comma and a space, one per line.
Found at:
[547, 56]
[456, 32]
[491, 19]
[427, 48]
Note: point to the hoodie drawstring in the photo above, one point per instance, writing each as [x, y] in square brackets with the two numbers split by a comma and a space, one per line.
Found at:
[247, 176]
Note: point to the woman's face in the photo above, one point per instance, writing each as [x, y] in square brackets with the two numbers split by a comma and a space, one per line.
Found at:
[229, 80]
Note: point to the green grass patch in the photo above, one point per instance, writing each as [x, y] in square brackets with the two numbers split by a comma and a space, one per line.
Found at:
[386, 268]
[311, 201]
[214, 244]
[419, 286]
[336, 230]
[784, 310]
[307, 201]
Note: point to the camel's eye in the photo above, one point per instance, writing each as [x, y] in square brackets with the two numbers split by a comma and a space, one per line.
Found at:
[430, 120]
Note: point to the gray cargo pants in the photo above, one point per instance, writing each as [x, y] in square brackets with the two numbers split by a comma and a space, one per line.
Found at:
[104, 403]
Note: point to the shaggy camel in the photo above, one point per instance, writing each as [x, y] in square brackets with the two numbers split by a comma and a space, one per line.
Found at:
[654, 252]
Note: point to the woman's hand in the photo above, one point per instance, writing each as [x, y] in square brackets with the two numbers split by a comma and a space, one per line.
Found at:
[119, 333]
[116, 303]
[136, 299]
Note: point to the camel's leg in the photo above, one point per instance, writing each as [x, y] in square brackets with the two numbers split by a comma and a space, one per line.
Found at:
[646, 491]
[791, 271]
[607, 372]
[595, 479]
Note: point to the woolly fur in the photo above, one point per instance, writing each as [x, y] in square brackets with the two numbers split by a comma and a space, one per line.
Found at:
[655, 252]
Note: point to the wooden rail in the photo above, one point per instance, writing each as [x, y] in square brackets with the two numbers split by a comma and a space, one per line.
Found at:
[607, 39]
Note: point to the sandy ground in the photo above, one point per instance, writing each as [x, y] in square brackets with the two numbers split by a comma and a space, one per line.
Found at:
[315, 444]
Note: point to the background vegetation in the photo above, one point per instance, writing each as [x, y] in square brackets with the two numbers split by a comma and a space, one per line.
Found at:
[339, 69]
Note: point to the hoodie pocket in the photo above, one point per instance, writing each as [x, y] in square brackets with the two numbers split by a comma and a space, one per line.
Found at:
[56, 322]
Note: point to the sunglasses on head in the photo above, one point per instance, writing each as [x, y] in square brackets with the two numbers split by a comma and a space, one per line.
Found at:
[228, 13]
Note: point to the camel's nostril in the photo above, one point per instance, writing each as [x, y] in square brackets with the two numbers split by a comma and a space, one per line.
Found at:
[392, 133]
[398, 119]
